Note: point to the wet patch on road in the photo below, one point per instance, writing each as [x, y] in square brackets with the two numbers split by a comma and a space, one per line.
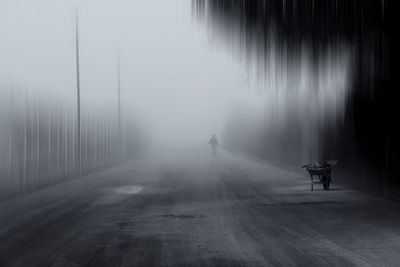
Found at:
[128, 189]
[304, 203]
[181, 216]
[117, 194]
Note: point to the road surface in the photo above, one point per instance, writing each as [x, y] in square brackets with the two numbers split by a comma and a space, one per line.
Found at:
[192, 209]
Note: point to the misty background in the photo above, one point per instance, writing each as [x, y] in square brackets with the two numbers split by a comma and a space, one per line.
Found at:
[170, 77]
[284, 81]
[176, 88]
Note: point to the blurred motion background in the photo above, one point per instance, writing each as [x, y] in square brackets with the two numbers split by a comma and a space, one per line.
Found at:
[325, 70]
[288, 81]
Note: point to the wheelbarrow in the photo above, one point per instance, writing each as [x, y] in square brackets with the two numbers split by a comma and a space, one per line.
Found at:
[321, 169]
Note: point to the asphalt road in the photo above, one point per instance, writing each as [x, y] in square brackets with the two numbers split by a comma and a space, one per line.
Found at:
[192, 209]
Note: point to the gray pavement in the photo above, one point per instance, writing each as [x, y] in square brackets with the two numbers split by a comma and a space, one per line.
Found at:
[191, 209]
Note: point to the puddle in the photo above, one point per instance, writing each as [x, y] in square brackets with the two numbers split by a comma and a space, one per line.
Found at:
[128, 189]
[117, 194]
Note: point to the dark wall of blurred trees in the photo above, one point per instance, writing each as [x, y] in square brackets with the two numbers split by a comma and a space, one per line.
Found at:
[366, 138]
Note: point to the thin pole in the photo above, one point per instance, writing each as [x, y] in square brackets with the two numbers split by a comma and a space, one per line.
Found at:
[78, 94]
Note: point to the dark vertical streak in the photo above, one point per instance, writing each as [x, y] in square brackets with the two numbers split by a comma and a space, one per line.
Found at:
[361, 132]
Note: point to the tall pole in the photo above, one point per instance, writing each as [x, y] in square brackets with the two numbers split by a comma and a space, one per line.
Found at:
[78, 94]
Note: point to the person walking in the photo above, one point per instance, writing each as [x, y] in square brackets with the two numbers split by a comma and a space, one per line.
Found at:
[213, 142]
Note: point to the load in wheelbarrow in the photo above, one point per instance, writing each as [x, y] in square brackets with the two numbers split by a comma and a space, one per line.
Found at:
[322, 169]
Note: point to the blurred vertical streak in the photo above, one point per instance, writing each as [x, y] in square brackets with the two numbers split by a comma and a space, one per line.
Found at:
[90, 118]
[92, 165]
[119, 107]
[37, 141]
[62, 143]
[73, 142]
[10, 163]
[325, 66]
[83, 140]
[105, 136]
[23, 183]
[108, 137]
[109, 147]
[96, 147]
[198, 9]
[49, 145]
[66, 143]
[103, 152]
[100, 141]
[58, 150]
[116, 135]
[78, 94]
[113, 138]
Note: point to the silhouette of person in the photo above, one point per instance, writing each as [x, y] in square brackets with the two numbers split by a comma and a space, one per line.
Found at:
[214, 144]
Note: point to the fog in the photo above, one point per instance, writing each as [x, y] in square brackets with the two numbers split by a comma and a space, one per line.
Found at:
[199, 133]
[175, 88]
[284, 82]
[171, 79]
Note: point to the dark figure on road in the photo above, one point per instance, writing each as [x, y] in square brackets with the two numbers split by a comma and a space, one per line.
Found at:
[214, 144]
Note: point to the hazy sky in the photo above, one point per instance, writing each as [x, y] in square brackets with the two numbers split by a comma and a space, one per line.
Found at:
[171, 76]
[176, 76]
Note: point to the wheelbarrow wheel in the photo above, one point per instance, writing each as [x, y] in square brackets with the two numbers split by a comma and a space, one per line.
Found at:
[326, 186]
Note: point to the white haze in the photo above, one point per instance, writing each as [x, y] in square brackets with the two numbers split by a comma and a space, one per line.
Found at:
[171, 78]
[174, 78]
